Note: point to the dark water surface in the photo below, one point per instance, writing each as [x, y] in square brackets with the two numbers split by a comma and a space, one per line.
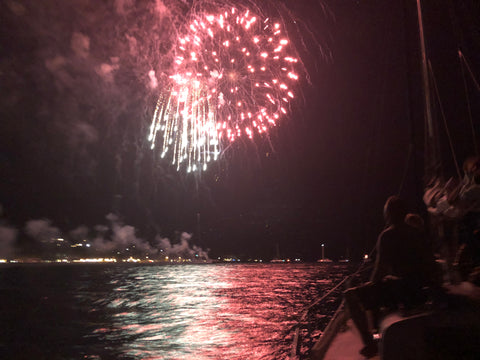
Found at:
[156, 312]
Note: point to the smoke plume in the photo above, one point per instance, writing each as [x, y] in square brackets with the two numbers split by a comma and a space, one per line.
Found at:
[8, 236]
[182, 249]
[42, 230]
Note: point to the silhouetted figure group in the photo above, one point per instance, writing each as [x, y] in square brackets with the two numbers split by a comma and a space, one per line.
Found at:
[404, 266]
[455, 211]
[406, 269]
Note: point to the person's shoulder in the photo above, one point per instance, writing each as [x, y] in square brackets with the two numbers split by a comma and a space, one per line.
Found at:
[400, 231]
[414, 231]
[387, 230]
[392, 230]
[386, 233]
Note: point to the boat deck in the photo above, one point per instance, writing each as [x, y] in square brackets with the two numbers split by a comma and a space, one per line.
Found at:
[346, 345]
[451, 332]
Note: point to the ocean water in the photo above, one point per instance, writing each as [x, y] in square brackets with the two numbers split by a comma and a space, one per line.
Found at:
[210, 311]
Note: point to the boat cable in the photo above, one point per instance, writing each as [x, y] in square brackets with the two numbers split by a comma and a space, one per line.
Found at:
[360, 269]
[467, 65]
[447, 130]
[364, 266]
[306, 310]
[463, 64]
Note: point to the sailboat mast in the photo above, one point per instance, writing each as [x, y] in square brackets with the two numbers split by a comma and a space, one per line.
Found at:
[426, 87]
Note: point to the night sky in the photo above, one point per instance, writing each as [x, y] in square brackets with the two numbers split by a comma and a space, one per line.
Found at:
[76, 104]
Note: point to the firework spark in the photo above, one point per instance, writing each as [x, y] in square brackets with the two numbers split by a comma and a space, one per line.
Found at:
[186, 119]
[234, 76]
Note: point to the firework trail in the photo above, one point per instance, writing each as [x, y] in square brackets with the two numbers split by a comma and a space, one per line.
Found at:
[234, 74]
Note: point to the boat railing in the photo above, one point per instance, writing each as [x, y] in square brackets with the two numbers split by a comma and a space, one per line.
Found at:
[306, 312]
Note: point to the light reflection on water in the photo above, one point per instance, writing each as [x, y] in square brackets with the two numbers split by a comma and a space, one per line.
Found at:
[159, 312]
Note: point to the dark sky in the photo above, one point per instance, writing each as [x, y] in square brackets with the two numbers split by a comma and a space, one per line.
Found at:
[76, 106]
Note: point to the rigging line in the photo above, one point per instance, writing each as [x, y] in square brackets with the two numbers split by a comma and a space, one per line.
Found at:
[477, 85]
[307, 309]
[426, 87]
[469, 108]
[455, 20]
[447, 130]
[363, 267]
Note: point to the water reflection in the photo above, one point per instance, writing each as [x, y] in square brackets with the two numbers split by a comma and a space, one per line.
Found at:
[167, 312]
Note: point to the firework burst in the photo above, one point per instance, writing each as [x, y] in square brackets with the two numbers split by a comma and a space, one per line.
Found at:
[234, 76]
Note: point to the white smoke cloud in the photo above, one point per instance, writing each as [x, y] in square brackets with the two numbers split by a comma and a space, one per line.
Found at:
[202, 254]
[80, 233]
[101, 229]
[182, 249]
[42, 230]
[55, 64]
[132, 44]
[121, 6]
[83, 132]
[58, 67]
[106, 71]
[80, 44]
[99, 243]
[116, 236]
[161, 9]
[93, 65]
[112, 217]
[8, 236]
[15, 7]
[123, 237]
[153, 79]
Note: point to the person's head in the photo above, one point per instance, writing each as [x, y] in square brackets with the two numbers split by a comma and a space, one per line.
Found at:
[394, 211]
[415, 221]
[471, 165]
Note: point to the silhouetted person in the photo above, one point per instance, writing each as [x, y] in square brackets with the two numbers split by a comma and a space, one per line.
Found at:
[403, 266]
[468, 254]
[416, 221]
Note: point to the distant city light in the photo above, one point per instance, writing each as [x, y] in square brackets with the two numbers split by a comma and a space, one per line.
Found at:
[95, 260]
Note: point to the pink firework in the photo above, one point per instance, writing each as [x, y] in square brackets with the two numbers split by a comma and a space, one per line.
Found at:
[240, 70]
